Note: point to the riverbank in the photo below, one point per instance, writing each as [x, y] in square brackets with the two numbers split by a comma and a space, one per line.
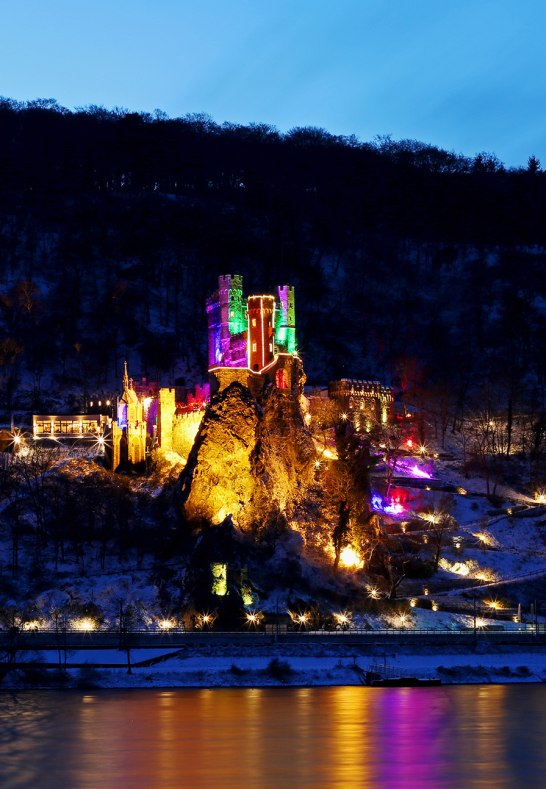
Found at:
[222, 666]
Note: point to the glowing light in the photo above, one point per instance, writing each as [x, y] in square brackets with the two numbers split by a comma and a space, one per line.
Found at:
[219, 576]
[32, 624]
[329, 454]
[540, 497]
[147, 401]
[166, 624]
[409, 442]
[460, 568]
[408, 466]
[85, 624]
[480, 623]
[462, 491]
[496, 605]
[435, 606]
[413, 602]
[204, 620]
[486, 575]
[403, 618]
[254, 618]
[425, 591]
[373, 592]
[302, 619]
[430, 517]
[16, 439]
[343, 618]
[344, 416]
[349, 557]
[423, 449]
[317, 464]
[378, 504]
[246, 595]
[484, 538]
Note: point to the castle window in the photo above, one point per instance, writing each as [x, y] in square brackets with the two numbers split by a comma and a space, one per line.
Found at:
[254, 348]
[271, 347]
[254, 321]
[232, 314]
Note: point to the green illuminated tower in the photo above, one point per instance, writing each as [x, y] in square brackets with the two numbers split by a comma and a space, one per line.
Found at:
[285, 328]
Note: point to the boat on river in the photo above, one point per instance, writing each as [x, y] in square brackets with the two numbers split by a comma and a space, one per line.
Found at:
[383, 676]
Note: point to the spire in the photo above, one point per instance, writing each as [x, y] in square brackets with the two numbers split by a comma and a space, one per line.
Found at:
[125, 377]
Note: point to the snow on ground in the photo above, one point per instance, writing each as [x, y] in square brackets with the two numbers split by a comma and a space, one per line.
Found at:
[282, 667]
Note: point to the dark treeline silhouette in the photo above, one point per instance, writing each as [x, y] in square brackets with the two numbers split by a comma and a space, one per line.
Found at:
[410, 262]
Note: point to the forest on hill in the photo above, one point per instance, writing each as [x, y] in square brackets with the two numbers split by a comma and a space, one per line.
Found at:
[411, 264]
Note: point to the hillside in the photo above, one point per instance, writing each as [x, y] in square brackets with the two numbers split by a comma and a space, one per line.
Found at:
[411, 264]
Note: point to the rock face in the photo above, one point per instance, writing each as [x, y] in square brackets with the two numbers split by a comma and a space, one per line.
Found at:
[251, 458]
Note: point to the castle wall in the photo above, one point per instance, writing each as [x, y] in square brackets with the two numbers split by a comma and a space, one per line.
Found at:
[184, 430]
[367, 402]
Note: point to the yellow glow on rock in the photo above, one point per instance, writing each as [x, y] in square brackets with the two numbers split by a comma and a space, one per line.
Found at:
[219, 579]
[247, 596]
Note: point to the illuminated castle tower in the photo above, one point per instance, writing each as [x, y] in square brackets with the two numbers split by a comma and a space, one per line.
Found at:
[227, 323]
[261, 334]
[129, 430]
[257, 345]
[285, 323]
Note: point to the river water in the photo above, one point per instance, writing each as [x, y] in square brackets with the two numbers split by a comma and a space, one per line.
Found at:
[395, 738]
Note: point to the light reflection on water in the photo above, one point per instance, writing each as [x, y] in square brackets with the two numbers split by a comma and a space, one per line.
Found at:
[387, 738]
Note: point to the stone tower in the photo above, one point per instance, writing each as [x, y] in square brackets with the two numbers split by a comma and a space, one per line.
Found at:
[226, 319]
[129, 432]
[261, 331]
[165, 417]
[285, 327]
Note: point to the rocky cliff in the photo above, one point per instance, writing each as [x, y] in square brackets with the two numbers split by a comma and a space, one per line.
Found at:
[252, 457]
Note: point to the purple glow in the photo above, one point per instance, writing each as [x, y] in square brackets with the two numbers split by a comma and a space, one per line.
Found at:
[379, 504]
[409, 467]
[419, 472]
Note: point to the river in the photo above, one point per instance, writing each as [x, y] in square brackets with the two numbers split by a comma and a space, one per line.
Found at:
[460, 737]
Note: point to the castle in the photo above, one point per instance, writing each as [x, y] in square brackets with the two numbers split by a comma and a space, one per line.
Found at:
[148, 418]
[252, 341]
[365, 402]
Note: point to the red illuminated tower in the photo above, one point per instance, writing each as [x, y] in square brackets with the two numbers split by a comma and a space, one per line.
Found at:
[261, 332]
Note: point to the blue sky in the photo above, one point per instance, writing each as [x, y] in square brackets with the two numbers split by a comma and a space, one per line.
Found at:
[466, 75]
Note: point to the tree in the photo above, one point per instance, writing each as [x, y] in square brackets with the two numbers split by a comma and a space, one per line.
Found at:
[439, 524]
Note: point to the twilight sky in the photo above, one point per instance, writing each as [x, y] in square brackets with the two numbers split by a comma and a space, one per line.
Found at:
[466, 75]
